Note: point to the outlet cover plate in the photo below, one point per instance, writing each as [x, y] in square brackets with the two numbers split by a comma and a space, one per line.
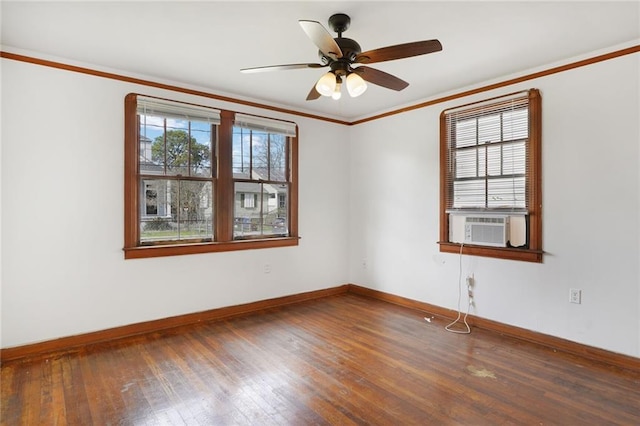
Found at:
[575, 295]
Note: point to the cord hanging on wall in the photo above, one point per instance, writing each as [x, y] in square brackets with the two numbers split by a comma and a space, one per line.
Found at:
[467, 329]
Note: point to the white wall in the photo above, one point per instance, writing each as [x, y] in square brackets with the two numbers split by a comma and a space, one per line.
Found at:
[591, 232]
[62, 216]
[368, 194]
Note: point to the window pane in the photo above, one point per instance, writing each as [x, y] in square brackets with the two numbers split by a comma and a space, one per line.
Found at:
[482, 161]
[151, 155]
[469, 193]
[260, 209]
[175, 210]
[494, 160]
[195, 209]
[149, 165]
[278, 157]
[177, 143]
[247, 208]
[515, 124]
[506, 193]
[241, 152]
[489, 129]
[201, 149]
[514, 158]
[260, 155]
[466, 133]
[466, 163]
[275, 220]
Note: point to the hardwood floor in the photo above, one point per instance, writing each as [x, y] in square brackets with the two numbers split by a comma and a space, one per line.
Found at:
[339, 360]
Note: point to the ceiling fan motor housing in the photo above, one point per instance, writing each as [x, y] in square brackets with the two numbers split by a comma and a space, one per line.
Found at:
[339, 22]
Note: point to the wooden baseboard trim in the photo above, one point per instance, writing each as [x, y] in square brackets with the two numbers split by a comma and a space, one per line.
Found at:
[71, 343]
[563, 345]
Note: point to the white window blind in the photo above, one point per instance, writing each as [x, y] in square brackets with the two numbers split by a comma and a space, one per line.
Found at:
[487, 155]
[262, 124]
[171, 109]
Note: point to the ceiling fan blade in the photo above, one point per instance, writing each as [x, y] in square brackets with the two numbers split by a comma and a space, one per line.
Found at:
[321, 38]
[281, 67]
[381, 78]
[398, 51]
[313, 94]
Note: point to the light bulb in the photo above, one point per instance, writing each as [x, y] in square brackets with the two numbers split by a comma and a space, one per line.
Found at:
[337, 94]
[327, 84]
[355, 85]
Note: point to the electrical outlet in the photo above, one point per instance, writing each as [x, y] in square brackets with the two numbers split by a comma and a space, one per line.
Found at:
[575, 295]
[267, 268]
[364, 263]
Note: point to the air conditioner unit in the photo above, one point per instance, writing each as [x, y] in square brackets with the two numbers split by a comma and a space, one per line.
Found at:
[489, 230]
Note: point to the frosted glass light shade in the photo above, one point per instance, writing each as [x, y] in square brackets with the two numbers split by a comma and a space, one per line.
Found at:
[355, 85]
[327, 84]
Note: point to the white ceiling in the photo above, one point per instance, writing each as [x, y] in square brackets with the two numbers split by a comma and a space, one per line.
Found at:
[204, 44]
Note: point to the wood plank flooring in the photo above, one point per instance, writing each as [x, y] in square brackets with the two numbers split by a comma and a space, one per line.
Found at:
[341, 360]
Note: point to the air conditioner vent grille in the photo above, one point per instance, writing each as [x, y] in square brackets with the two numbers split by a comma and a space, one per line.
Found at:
[487, 230]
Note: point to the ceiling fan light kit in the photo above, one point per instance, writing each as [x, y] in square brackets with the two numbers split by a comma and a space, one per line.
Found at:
[327, 84]
[337, 94]
[356, 85]
[341, 53]
[331, 85]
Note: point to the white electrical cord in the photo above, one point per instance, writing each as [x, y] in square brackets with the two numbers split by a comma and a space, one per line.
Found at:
[468, 329]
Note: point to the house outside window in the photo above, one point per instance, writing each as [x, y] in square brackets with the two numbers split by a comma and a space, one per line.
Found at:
[490, 178]
[181, 179]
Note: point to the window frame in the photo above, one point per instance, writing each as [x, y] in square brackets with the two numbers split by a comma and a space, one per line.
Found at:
[223, 193]
[533, 183]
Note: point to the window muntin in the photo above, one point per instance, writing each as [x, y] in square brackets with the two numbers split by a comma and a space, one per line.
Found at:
[491, 163]
[180, 186]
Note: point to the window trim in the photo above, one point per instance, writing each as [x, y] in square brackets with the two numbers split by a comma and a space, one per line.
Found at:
[223, 195]
[533, 180]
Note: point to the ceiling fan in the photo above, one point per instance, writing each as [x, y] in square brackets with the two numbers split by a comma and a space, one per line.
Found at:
[341, 53]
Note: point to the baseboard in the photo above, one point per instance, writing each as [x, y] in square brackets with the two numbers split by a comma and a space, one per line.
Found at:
[71, 343]
[68, 344]
[585, 351]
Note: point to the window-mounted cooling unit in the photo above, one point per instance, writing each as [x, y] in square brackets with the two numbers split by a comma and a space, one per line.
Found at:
[489, 230]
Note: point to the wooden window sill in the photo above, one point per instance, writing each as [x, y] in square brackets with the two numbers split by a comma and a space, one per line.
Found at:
[527, 255]
[209, 247]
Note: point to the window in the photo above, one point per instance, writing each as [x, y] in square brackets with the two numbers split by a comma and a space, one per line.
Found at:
[248, 201]
[490, 178]
[260, 159]
[193, 186]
